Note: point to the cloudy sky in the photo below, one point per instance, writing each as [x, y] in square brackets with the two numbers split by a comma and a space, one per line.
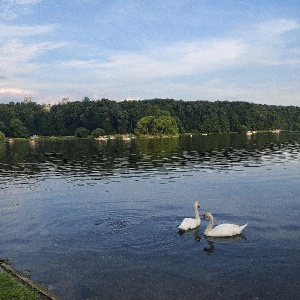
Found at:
[141, 49]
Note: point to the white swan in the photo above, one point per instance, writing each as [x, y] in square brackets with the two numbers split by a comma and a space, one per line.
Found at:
[222, 230]
[190, 223]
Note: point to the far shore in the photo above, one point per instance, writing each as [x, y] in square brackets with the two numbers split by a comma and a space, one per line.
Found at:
[130, 136]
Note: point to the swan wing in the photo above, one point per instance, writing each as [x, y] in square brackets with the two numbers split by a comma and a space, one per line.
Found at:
[188, 224]
[224, 230]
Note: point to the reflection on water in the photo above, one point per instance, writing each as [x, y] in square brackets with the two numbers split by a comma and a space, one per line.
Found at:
[21, 161]
[195, 232]
[211, 248]
[214, 240]
[95, 220]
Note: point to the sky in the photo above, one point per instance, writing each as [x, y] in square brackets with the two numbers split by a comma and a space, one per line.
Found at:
[233, 50]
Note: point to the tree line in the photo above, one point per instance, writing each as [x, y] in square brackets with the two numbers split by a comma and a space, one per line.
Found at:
[25, 119]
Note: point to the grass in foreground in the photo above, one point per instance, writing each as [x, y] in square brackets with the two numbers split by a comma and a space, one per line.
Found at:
[12, 289]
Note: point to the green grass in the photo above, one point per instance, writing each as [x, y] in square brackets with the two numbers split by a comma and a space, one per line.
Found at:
[12, 289]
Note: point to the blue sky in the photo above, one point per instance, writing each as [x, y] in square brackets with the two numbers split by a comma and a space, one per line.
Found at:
[181, 49]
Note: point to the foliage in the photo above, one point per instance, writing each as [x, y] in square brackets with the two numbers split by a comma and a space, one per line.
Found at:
[153, 110]
[2, 126]
[164, 126]
[144, 126]
[2, 136]
[97, 132]
[157, 123]
[18, 128]
[81, 132]
[25, 119]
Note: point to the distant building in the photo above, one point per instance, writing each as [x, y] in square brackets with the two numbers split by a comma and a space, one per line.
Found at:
[27, 99]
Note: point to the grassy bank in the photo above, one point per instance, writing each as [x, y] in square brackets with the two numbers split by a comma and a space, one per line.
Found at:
[16, 286]
[11, 288]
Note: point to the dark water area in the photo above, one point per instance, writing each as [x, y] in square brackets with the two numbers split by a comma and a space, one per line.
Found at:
[98, 220]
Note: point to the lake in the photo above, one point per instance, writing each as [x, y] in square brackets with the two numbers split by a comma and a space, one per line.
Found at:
[98, 220]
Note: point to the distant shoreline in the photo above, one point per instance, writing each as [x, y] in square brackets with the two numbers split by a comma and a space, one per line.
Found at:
[118, 137]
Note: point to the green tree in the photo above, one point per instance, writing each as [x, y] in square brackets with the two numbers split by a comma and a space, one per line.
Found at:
[154, 110]
[158, 126]
[18, 129]
[123, 117]
[2, 136]
[27, 113]
[97, 132]
[164, 126]
[81, 132]
[7, 113]
[243, 128]
[2, 126]
[144, 126]
[122, 123]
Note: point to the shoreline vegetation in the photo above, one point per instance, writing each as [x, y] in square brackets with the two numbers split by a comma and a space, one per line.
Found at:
[156, 117]
[15, 285]
[128, 137]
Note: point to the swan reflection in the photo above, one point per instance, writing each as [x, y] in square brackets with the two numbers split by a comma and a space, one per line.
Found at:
[197, 236]
[210, 249]
[212, 240]
[196, 233]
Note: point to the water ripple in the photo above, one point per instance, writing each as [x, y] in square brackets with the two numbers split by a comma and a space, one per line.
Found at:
[141, 162]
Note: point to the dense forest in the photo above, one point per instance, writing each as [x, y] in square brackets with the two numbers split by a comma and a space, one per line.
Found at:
[29, 118]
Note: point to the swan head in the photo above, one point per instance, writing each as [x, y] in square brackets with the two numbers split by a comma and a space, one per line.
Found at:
[207, 215]
[196, 205]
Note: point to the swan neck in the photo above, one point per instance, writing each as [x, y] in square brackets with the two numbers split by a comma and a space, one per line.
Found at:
[210, 224]
[197, 217]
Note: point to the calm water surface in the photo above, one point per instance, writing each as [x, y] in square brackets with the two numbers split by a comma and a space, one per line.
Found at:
[97, 220]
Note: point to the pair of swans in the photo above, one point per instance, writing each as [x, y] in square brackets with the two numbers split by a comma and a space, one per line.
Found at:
[222, 230]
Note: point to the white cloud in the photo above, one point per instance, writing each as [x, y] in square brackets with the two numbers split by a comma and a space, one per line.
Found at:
[269, 43]
[221, 89]
[11, 9]
[14, 91]
[187, 69]
[276, 27]
[179, 59]
[18, 51]
[13, 31]
[259, 47]
[16, 56]
[24, 2]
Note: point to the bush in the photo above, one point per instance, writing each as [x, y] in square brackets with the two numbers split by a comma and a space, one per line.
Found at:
[18, 128]
[98, 132]
[81, 132]
[2, 136]
[157, 126]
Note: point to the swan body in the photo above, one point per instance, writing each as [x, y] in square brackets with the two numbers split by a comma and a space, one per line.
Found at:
[222, 230]
[191, 223]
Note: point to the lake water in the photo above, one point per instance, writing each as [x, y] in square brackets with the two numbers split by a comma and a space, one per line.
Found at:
[94, 220]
